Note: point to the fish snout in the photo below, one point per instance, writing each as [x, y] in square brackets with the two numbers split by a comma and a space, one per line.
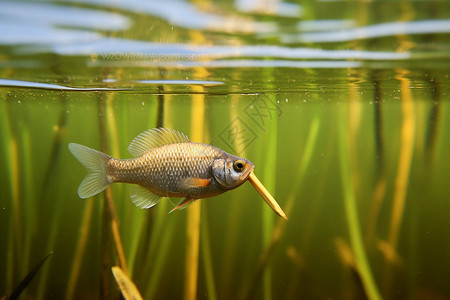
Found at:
[249, 167]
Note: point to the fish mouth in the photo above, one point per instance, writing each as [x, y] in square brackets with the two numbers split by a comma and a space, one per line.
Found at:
[248, 169]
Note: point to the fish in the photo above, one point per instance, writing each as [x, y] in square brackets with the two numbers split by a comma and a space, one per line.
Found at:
[165, 163]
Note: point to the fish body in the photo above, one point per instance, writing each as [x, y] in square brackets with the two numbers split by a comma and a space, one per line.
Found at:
[165, 164]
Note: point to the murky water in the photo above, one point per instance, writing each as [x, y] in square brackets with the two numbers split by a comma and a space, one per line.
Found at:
[342, 107]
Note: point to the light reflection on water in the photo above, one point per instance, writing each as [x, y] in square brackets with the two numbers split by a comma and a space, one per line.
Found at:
[43, 24]
[372, 31]
[188, 15]
[103, 36]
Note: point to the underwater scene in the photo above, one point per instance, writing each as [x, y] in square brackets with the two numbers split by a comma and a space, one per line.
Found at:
[342, 107]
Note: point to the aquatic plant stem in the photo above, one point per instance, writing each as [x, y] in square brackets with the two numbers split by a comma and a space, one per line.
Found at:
[162, 232]
[135, 226]
[156, 263]
[403, 170]
[405, 159]
[51, 173]
[81, 246]
[381, 184]
[127, 287]
[26, 281]
[281, 224]
[192, 253]
[270, 181]
[160, 107]
[105, 257]
[361, 261]
[234, 212]
[267, 254]
[434, 119]
[11, 164]
[115, 229]
[194, 212]
[108, 198]
[114, 146]
[207, 262]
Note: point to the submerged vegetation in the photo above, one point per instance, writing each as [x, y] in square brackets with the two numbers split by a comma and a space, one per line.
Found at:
[347, 133]
[149, 245]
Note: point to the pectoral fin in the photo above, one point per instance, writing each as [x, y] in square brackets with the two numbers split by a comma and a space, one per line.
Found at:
[183, 204]
[189, 183]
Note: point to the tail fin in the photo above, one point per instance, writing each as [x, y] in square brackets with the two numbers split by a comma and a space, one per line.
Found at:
[94, 161]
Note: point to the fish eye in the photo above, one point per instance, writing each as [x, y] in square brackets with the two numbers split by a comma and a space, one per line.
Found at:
[239, 165]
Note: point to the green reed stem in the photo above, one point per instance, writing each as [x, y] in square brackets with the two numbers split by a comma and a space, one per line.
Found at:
[234, 212]
[105, 125]
[80, 248]
[158, 230]
[28, 199]
[136, 235]
[317, 201]
[266, 255]
[161, 231]
[134, 222]
[10, 165]
[351, 210]
[126, 211]
[310, 145]
[194, 213]
[269, 176]
[152, 219]
[406, 155]
[156, 264]
[26, 281]
[56, 206]
[402, 178]
[109, 211]
[278, 231]
[434, 118]
[160, 107]
[207, 261]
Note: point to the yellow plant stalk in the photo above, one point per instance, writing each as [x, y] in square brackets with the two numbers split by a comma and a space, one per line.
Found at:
[127, 287]
[266, 195]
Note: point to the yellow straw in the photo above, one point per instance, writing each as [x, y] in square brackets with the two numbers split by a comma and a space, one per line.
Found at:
[266, 195]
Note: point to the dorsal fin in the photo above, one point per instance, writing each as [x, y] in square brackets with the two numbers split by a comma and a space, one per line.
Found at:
[153, 138]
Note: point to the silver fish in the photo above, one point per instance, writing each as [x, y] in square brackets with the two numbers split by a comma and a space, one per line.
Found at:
[166, 164]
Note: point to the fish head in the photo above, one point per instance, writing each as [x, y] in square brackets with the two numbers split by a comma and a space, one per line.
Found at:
[231, 171]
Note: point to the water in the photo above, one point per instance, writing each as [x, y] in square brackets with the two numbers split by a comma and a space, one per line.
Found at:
[342, 107]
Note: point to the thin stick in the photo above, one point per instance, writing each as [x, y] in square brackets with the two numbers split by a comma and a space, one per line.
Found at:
[266, 195]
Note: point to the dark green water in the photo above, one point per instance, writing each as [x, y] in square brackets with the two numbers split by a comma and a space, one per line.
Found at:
[343, 107]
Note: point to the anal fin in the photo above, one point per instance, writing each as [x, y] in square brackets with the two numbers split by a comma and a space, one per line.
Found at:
[183, 204]
[142, 197]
